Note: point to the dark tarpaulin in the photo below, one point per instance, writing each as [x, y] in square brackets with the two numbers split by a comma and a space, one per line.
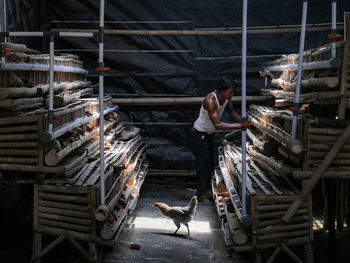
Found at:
[175, 65]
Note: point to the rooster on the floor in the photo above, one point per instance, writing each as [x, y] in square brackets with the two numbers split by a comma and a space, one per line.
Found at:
[180, 215]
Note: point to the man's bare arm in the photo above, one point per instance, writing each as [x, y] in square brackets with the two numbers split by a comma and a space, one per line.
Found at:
[210, 106]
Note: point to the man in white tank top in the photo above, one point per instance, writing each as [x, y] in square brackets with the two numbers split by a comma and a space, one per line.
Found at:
[204, 128]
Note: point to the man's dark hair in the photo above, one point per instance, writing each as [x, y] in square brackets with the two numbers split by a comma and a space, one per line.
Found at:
[225, 83]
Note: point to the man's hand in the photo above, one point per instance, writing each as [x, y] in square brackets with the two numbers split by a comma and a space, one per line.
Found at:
[247, 124]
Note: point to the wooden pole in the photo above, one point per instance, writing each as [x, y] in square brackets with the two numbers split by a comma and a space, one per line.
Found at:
[317, 175]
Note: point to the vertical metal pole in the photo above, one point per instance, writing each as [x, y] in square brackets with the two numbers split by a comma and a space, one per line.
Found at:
[334, 27]
[243, 105]
[101, 93]
[103, 210]
[300, 64]
[51, 67]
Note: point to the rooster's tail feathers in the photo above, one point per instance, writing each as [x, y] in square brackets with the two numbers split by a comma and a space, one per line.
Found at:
[193, 201]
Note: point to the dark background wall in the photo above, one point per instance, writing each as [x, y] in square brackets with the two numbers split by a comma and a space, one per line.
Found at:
[172, 65]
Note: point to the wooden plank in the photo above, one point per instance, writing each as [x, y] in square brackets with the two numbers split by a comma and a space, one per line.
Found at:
[18, 152]
[19, 129]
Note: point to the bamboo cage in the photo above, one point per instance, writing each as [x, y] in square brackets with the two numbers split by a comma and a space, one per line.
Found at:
[321, 80]
[64, 205]
[31, 69]
[269, 194]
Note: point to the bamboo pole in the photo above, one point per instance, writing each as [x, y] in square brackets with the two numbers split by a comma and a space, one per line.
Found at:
[283, 235]
[327, 175]
[317, 175]
[313, 28]
[270, 222]
[67, 206]
[286, 228]
[179, 101]
[279, 214]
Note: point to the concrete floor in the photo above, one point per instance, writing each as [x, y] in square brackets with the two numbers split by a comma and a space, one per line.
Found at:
[155, 232]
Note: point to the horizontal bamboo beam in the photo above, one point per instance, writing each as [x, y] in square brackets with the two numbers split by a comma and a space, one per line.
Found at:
[65, 198]
[67, 219]
[340, 155]
[80, 236]
[63, 205]
[178, 100]
[339, 162]
[283, 235]
[63, 189]
[271, 222]
[200, 32]
[16, 137]
[326, 122]
[326, 147]
[268, 245]
[278, 214]
[19, 128]
[275, 198]
[12, 160]
[10, 120]
[64, 225]
[21, 145]
[268, 207]
[64, 212]
[326, 131]
[328, 174]
[325, 138]
[19, 152]
[285, 228]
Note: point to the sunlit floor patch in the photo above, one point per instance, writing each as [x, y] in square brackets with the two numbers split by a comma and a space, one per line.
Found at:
[168, 224]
